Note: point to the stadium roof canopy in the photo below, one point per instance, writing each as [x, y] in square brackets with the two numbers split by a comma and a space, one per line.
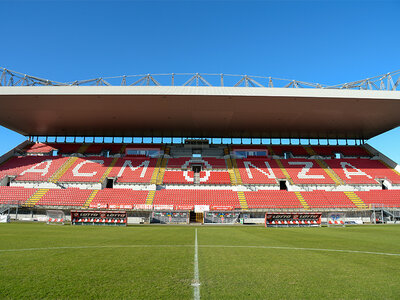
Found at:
[198, 111]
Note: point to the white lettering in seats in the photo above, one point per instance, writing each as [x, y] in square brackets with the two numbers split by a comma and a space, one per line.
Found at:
[303, 173]
[128, 163]
[355, 172]
[34, 169]
[76, 172]
[248, 164]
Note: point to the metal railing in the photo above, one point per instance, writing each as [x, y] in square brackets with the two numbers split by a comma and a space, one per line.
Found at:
[389, 81]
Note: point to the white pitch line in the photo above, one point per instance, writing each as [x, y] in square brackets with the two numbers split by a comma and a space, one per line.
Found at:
[196, 279]
[92, 247]
[305, 249]
[202, 246]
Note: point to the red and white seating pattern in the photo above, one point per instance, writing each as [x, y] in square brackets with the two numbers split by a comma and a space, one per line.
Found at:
[64, 197]
[259, 171]
[186, 162]
[178, 177]
[306, 171]
[86, 169]
[196, 197]
[32, 168]
[134, 170]
[210, 177]
[177, 163]
[362, 171]
[272, 199]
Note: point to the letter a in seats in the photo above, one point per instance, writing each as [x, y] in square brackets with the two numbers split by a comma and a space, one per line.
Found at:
[35, 169]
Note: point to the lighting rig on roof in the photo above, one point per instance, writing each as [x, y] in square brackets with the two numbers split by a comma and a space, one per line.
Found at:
[388, 82]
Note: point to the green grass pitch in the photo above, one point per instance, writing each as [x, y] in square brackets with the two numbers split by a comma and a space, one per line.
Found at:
[157, 262]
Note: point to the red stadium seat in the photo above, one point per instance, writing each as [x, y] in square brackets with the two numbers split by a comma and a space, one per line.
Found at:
[64, 197]
[32, 168]
[259, 171]
[134, 170]
[87, 169]
[15, 195]
[272, 199]
[362, 171]
[197, 197]
[306, 171]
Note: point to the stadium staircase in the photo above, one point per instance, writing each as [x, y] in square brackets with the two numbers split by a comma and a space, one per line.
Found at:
[196, 178]
[237, 173]
[231, 171]
[82, 149]
[70, 161]
[242, 200]
[302, 200]
[226, 151]
[150, 197]
[123, 148]
[108, 171]
[90, 199]
[161, 171]
[324, 166]
[284, 171]
[61, 171]
[278, 161]
[154, 176]
[35, 198]
[356, 200]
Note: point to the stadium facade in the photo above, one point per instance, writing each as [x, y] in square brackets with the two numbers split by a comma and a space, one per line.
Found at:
[163, 150]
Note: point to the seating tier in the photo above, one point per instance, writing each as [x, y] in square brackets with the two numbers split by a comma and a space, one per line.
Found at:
[306, 171]
[134, 170]
[32, 168]
[389, 198]
[178, 177]
[64, 197]
[197, 197]
[351, 151]
[210, 177]
[296, 150]
[259, 171]
[323, 199]
[206, 162]
[119, 197]
[87, 169]
[15, 195]
[362, 171]
[272, 199]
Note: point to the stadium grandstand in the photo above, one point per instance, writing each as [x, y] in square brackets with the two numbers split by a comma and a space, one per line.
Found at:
[175, 142]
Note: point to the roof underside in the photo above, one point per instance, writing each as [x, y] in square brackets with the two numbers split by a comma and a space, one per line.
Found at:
[198, 112]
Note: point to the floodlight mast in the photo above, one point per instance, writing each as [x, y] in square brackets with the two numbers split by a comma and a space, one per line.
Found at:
[386, 82]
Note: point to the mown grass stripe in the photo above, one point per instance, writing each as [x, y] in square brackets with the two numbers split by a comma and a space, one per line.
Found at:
[204, 246]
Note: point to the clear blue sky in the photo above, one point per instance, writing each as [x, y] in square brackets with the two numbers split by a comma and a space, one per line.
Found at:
[317, 41]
